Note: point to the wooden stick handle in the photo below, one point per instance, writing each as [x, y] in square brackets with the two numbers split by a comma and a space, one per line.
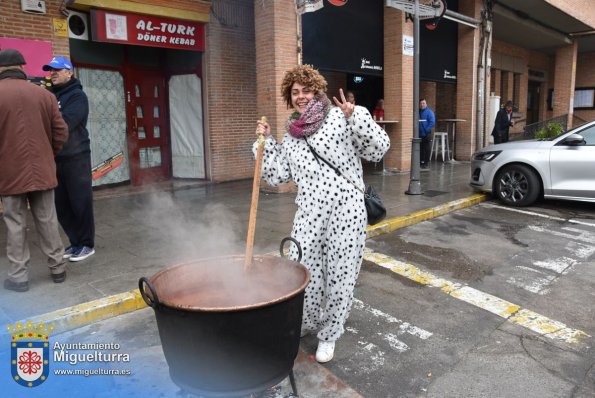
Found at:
[254, 204]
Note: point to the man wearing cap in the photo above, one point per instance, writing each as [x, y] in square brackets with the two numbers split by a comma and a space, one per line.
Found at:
[503, 123]
[32, 132]
[74, 194]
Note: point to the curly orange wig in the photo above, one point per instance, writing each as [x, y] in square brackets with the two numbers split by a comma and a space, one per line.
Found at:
[305, 75]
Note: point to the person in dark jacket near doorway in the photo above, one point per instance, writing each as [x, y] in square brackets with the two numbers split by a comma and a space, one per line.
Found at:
[74, 195]
[503, 123]
[32, 132]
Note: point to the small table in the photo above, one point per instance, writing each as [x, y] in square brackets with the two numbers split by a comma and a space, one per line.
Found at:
[382, 124]
[453, 123]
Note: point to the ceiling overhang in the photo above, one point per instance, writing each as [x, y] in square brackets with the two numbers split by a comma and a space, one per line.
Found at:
[537, 25]
[199, 12]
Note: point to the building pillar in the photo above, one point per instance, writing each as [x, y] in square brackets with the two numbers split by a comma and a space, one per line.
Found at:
[428, 90]
[507, 87]
[468, 57]
[275, 27]
[497, 82]
[564, 80]
[276, 32]
[398, 90]
[523, 85]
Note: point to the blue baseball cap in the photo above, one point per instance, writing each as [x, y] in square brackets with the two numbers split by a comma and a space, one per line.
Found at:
[58, 63]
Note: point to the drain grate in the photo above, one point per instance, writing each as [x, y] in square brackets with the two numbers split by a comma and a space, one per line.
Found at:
[431, 193]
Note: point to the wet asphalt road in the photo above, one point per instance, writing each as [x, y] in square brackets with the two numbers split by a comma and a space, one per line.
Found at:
[407, 339]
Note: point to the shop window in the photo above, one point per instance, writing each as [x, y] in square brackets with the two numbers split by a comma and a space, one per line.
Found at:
[141, 133]
[150, 157]
[584, 98]
[156, 132]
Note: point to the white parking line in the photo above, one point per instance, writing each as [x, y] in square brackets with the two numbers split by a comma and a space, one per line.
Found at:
[539, 324]
[532, 213]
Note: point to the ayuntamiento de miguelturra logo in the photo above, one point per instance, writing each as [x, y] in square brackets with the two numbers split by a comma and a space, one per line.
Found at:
[30, 353]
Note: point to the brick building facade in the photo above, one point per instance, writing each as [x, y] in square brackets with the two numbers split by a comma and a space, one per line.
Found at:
[249, 44]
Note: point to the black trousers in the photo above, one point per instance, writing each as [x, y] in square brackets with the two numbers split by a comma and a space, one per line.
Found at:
[500, 137]
[74, 199]
[425, 149]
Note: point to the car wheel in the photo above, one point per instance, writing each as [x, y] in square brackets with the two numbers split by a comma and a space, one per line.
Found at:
[517, 185]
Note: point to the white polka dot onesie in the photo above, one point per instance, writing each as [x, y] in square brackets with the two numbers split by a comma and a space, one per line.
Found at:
[331, 219]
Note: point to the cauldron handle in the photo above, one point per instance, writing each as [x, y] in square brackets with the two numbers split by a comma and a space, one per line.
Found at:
[296, 243]
[153, 303]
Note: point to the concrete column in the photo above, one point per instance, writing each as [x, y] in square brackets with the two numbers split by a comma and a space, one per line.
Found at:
[398, 90]
[564, 80]
[468, 56]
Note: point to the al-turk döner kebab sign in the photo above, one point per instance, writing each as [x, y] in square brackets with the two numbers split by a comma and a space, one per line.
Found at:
[146, 30]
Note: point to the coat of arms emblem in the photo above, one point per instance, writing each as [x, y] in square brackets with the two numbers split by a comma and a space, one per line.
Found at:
[30, 353]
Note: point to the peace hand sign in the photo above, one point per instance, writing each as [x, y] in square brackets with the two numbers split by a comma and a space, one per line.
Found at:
[346, 107]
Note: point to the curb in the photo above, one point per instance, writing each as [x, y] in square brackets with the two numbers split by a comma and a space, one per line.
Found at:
[90, 312]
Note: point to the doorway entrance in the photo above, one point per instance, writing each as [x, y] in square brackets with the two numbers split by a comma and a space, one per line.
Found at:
[533, 96]
[147, 126]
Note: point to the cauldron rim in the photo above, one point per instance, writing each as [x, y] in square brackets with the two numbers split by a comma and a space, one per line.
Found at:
[289, 295]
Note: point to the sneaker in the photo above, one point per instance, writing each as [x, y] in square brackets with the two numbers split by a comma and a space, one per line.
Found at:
[424, 168]
[69, 251]
[82, 253]
[16, 286]
[325, 351]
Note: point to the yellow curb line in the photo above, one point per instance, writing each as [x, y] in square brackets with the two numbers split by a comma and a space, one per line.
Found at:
[94, 311]
[423, 215]
[90, 312]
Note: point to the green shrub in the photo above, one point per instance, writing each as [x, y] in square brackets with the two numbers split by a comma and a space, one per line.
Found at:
[550, 131]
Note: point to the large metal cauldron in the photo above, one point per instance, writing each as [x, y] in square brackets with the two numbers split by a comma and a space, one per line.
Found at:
[227, 331]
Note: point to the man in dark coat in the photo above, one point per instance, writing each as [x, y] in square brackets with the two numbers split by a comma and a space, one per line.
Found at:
[503, 123]
[32, 132]
[74, 195]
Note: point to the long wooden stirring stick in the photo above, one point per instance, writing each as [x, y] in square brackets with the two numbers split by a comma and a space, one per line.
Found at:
[254, 205]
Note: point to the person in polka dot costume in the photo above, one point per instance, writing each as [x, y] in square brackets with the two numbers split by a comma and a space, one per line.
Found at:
[330, 222]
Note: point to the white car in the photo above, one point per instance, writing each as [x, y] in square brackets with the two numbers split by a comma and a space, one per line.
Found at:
[520, 172]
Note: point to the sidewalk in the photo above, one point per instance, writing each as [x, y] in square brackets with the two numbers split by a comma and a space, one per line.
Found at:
[142, 230]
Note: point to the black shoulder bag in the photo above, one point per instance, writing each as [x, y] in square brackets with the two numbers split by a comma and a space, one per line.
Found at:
[374, 207]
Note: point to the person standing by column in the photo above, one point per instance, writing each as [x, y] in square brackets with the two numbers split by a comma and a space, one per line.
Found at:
[503, 123]
[32, 132]
[74, 195]
[426, 124]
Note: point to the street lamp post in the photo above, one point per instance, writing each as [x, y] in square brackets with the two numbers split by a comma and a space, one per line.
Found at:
[414, 182]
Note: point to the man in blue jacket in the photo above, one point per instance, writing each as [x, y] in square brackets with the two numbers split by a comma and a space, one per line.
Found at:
[426, 124]
[74, 194]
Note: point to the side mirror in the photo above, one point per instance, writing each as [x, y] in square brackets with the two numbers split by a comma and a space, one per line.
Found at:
[574, 139]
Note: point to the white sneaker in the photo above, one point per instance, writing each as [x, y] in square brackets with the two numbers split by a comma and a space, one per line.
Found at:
[325, 351]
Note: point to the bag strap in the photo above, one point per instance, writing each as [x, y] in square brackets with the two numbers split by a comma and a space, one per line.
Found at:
[318, 158]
